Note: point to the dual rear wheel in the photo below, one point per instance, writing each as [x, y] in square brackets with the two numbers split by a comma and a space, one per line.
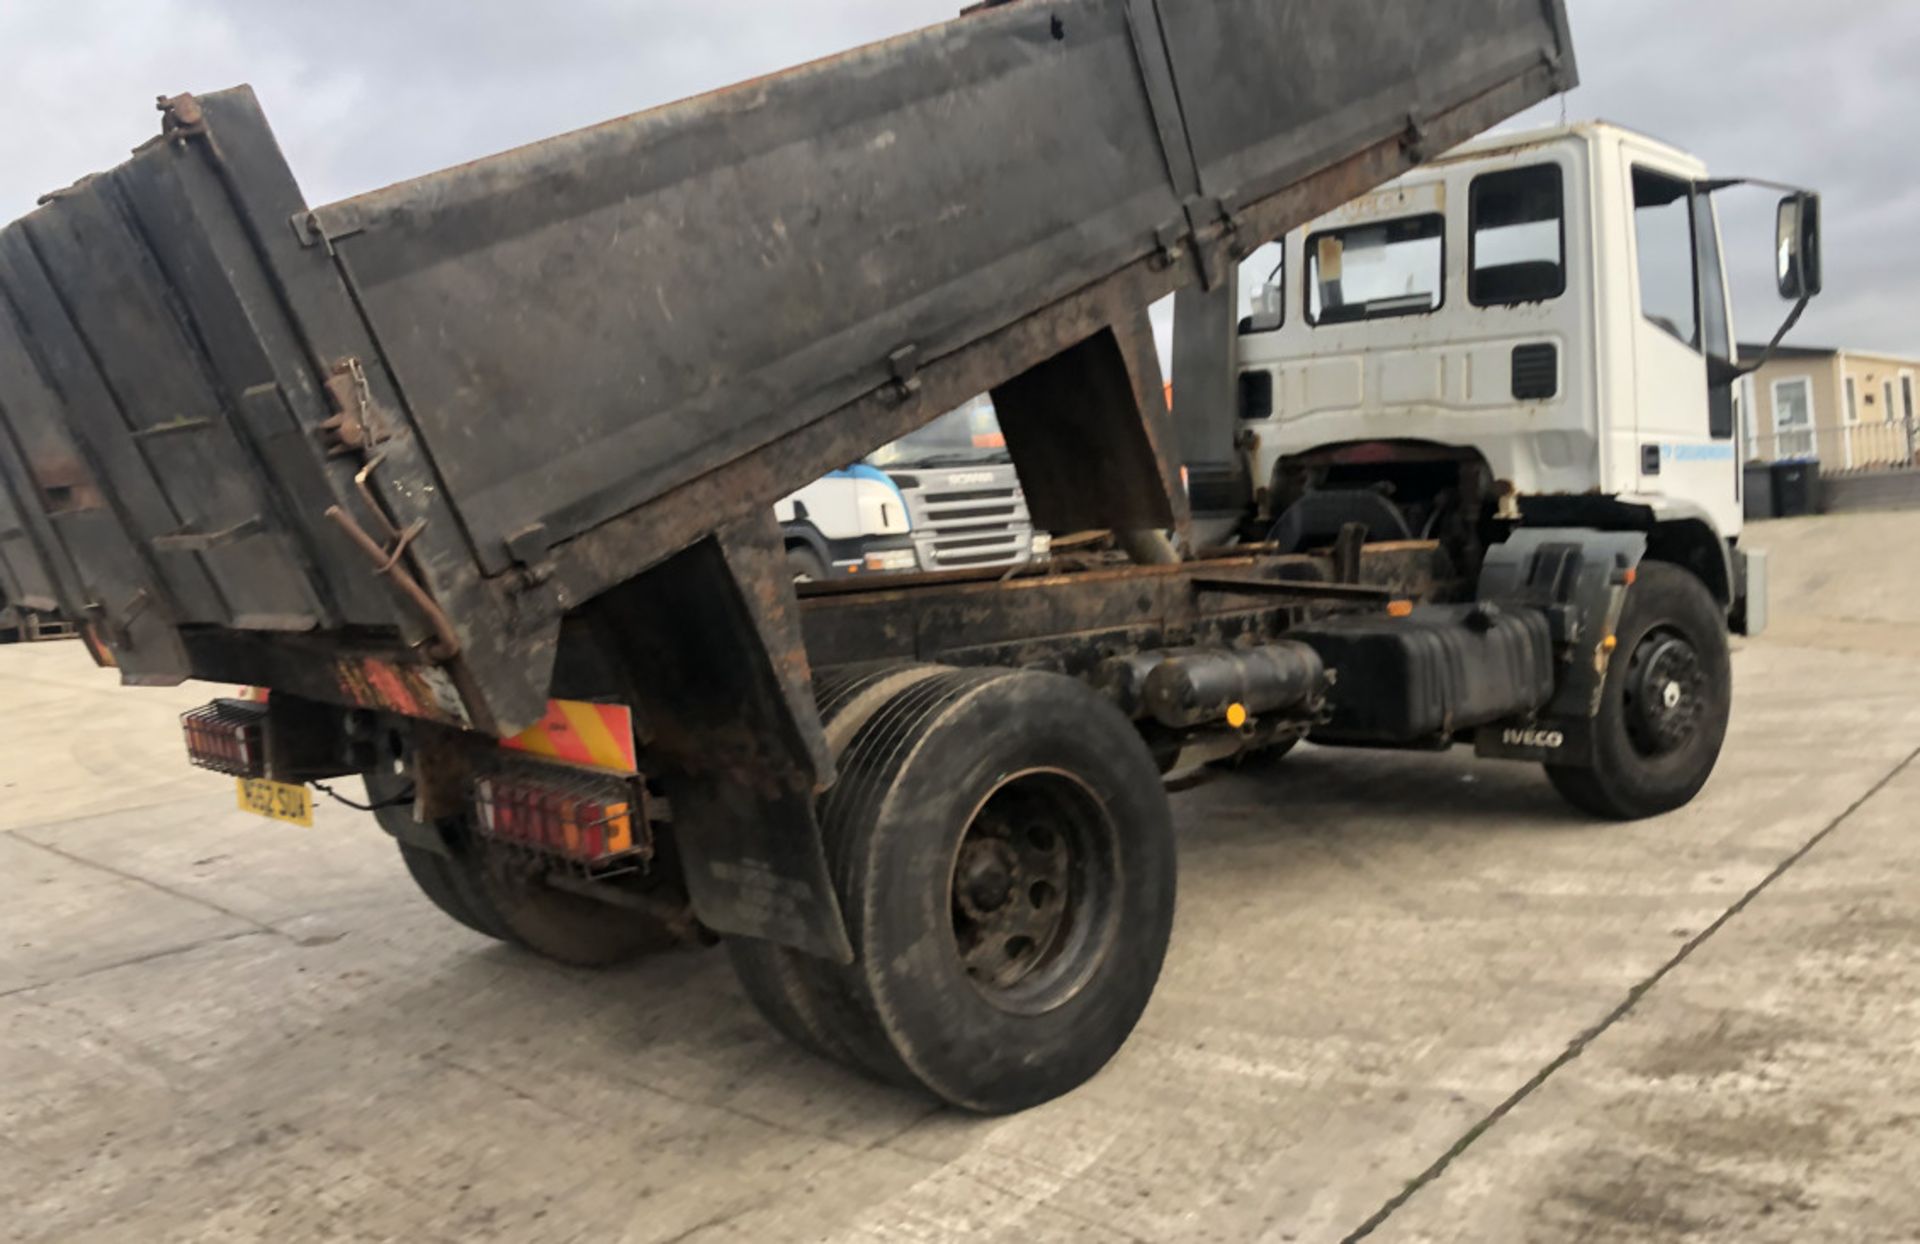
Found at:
[500, 894]
[1003, 852]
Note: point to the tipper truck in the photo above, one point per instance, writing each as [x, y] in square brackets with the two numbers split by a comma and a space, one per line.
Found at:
[474, 477]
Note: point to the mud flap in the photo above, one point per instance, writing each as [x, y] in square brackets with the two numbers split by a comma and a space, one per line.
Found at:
[711, 640]
[1579, 579]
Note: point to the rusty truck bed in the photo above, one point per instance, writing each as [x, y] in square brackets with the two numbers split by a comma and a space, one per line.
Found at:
[392, 442]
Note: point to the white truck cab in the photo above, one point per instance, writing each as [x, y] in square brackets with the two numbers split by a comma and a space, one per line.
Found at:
[1535, 323]
[944, 497]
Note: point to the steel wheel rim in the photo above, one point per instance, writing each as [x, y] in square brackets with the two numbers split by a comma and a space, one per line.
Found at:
[1033, 892]
[1664, 692]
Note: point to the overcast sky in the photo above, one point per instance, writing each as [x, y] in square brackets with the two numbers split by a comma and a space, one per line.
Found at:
[363, 93]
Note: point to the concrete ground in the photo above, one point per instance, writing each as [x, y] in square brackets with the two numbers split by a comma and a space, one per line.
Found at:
[1409, 997]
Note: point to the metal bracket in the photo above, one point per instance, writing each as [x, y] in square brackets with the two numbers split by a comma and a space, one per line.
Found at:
[117, 632]
[386, 560]
[1213, 225]
[904, 366]
[528, 545]
[307, 231]
[187, 540]
[1413, 140]
[168, 429]
[353, 426]
[1170, 242]
[1206, 213]
[180, 116]
[1296, 589]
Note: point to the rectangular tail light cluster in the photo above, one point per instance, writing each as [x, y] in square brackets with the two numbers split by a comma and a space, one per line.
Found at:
[228, 736]
[595, 820]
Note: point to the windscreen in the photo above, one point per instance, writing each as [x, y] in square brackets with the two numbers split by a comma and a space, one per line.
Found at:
[969, 434]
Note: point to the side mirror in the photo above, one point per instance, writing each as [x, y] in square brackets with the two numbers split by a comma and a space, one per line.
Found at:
[1269, 307]
[1797, 246]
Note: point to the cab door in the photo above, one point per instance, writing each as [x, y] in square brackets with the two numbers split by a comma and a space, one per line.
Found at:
[1682, 342]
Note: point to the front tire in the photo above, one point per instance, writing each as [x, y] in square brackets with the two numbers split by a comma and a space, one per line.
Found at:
[1665, 703]
[805, 565]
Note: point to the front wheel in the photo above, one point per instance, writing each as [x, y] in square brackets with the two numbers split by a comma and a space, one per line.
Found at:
[805, 565]
[1664, 705]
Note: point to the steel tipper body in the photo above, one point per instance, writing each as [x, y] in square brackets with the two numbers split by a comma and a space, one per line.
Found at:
[484, 453]
[559, 366]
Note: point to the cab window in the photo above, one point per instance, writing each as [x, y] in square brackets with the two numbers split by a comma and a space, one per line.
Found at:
[1518, 247]
[1716, 335]
[1263, 289]
[1663, 245]
[1376, 270]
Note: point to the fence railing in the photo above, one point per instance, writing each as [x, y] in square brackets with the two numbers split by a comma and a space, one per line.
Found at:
[1891, 445]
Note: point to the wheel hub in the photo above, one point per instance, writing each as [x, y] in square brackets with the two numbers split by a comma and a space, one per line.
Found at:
[1013, 891]
[988, 869]
[1665, 698]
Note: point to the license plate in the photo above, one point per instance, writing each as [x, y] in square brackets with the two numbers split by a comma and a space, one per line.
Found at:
[276, 801]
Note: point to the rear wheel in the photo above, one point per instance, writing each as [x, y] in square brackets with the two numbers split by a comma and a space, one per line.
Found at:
[1664, 705]
[504, 895]
[801, 996]
[559, 925]
[1004, 854]
[433, 873]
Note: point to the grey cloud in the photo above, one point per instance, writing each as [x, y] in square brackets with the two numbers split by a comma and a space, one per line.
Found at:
[1820, 95]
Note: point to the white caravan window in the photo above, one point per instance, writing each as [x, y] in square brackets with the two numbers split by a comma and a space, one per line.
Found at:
[1374, 271]
[1793, 418]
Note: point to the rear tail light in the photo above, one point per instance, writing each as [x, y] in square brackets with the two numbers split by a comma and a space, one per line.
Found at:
[228, 736]
[594, 820]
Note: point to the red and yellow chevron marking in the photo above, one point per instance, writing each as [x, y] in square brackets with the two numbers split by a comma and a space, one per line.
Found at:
[598, 736]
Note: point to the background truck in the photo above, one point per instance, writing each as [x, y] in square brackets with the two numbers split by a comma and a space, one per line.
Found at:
[521, 572]
[942, 497]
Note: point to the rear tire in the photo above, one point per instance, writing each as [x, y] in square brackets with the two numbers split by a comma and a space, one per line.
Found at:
[799, 995]
[1664, 705]
[432, 872]
[1004, 853]
[496, 894]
